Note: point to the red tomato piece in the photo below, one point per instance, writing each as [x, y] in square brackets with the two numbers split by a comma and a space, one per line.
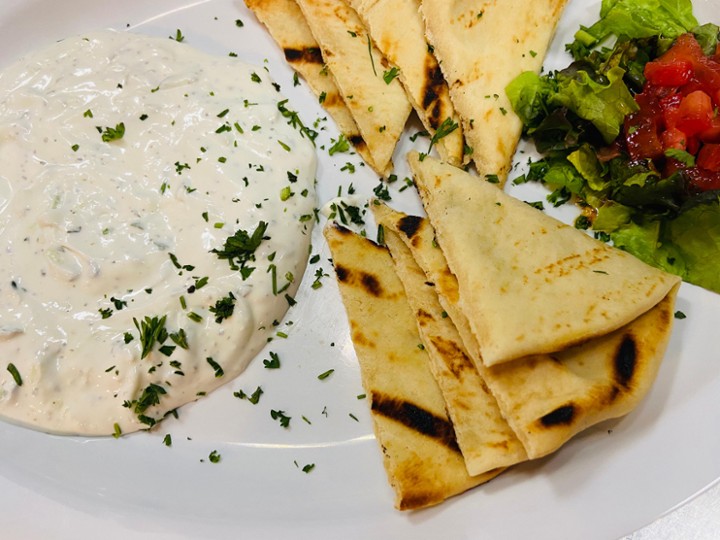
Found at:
[695, 113]
[709, 157]
[675, 73]
[674, 138]
[703, 179]
[711, 134]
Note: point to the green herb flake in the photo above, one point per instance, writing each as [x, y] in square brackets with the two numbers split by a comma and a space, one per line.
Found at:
[113, 134]
[15, 374]
[218, 369]
[325, 374]
[273, 363]
[390, 74]
[281, 417]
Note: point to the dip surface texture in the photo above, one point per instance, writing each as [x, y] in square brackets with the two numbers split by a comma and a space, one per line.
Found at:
[155, 217]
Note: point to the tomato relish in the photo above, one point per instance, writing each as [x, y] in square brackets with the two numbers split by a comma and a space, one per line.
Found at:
[677, 125]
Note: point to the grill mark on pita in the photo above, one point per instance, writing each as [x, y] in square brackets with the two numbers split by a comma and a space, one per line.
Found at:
[561, 416]
[357, 141]
[434, 85]
[625, 361]
[416, 418]
[371, 284]
[367, 281]
[454, 357]
[311, 55]
[410, 225]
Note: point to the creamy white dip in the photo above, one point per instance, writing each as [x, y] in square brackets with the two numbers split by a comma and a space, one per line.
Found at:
[126, 160]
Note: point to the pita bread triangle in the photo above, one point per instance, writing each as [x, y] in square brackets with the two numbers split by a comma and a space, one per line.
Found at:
[484, 437]
[287, 26]
[420, 453]
[547, 399]
[380, 109]
[398, 31]
[528, 283]
[481, 47]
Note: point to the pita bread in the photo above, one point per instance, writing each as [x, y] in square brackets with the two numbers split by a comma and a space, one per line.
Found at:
[398, 31]
[421, 457]
[287, 26]
[528, 283]
[547, 399]
[380, 110]
[482, 46]
[483, 435]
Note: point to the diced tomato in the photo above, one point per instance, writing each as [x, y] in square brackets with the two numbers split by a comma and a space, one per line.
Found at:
[641, 136]
[674, 73]
[703, 179]
[711, 134]
[674, 138]
[695, 113]
[709, 157]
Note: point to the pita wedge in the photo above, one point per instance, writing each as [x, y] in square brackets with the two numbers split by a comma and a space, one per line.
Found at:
[287, 26]
[421, 456]
[380, 109]
[398, 31]
[547, 399]
[528, 283]
[482, 46]
[484, 437]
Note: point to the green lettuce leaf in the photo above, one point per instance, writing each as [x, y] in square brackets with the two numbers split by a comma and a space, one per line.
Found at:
[688, 246]
[637, 19]
[604, 105]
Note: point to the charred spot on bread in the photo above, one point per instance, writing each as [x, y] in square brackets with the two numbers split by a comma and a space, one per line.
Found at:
[371, 284]
[311, 55]
[416, 418]
[410, 225]
[559, 417]
[625, 361]
[341, 272]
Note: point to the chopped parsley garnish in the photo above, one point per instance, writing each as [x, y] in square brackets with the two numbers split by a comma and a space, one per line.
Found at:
[178, 36]
[253, 398]
[307, 468]
[678, 315]
[443, 130]
[223, 308]
[15, 374]
[273, 363]
[105, 313]
[281, 417]
[390, 74]
[295, 121]
[117, 432]
[339, 145]
[167, 440]
[151, 330]
[150, 396]
[239, 249]
[218, 369]
[325, 374]
[113, 134]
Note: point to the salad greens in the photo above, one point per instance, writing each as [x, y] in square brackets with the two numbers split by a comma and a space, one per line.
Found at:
[576, 117]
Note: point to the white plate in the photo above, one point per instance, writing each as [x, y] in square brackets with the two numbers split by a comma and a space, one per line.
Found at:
[607, 482]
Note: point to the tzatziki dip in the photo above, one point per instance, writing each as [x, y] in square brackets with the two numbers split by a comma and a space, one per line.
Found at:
[156, 206]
